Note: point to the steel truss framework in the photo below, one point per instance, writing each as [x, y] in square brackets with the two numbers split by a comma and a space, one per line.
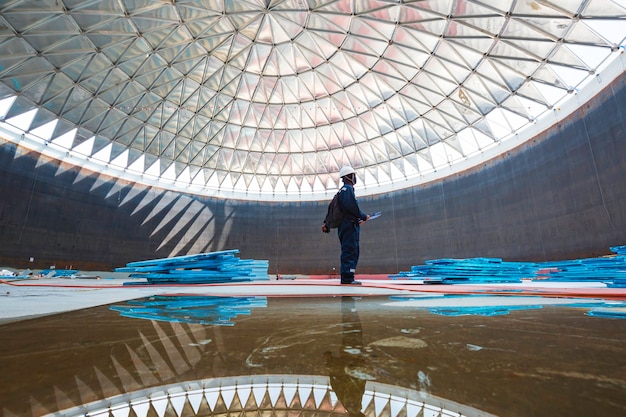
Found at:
[268, 99]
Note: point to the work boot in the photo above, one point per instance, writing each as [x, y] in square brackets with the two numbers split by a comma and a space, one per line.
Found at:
[347, 278]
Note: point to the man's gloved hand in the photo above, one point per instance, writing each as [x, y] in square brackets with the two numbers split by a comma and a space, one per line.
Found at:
[325, 228]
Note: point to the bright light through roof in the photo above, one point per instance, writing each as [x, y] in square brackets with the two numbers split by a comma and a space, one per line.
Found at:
[268, 102]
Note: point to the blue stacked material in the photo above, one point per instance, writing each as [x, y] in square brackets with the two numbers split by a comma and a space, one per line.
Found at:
[617, 283]
[620, 250]
[606, 269]
[610, 270]
[57, 273]
[450, 271]
[202, 268]
[191, 309]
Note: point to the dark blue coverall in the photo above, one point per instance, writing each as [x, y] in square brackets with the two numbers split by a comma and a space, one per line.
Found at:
[349, 231]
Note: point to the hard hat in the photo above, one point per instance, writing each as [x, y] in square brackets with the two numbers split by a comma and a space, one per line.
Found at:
[346, 170]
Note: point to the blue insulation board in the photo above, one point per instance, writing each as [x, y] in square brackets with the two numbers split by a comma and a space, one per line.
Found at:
[610, 269]
[202, 268]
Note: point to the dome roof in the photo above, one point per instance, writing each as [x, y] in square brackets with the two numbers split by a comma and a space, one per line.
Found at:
[268, 99]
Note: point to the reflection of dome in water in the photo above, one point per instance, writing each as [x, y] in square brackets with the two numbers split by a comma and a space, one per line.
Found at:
[282, 395]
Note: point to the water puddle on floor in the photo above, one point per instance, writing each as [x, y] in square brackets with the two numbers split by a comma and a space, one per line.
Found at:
[342, 356]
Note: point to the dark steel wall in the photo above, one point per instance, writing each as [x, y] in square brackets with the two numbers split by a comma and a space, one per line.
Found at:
[560, 196]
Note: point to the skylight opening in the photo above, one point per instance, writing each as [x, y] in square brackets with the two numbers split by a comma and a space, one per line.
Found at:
[85, 148]
[170, 173]
[154, 170]
[46, 131]
[23, 121]
[121, 160]
[5, 106]
[138, 165]
[104, 154]
[611, 30]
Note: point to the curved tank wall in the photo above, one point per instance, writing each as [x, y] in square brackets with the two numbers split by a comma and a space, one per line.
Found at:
[559, 196]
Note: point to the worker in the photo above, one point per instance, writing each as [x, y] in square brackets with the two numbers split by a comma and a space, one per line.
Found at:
[349, 229]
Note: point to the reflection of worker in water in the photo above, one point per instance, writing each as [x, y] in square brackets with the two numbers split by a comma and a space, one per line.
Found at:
[345, 370]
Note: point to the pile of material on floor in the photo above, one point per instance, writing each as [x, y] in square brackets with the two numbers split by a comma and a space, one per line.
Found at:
[58, 273]
[492, 270]
[202, 268]
[610, 270]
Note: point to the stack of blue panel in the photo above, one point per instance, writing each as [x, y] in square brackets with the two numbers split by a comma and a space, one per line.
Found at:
[620, 250]
[605, 269]
[610, 270]
[620, 279]
[58, 273]
[488, 270]
[203, 268]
